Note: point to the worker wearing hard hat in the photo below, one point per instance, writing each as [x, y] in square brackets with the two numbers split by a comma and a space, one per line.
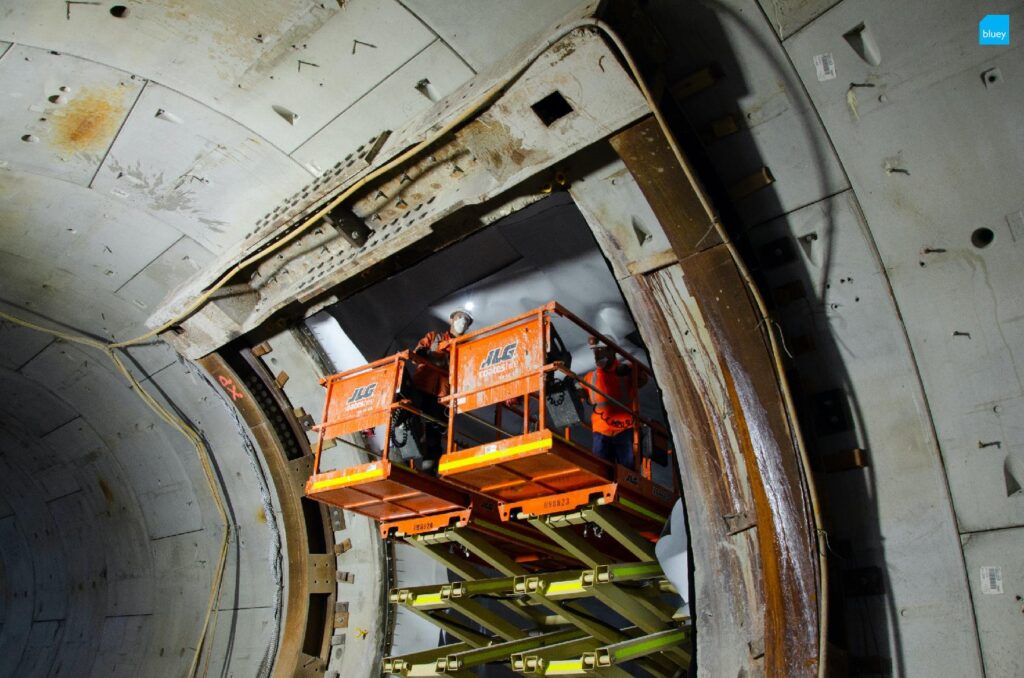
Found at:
[431, 384]
[432, 381]
[612, 424]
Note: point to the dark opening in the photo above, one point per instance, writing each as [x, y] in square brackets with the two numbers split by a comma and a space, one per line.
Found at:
[552, 108]
[316, 621]
[541, 253]
[314, 526]
[982, 237]
[120, 11]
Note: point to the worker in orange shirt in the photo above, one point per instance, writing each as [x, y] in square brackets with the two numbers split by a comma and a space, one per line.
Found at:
[612, 424]
[435, 382]
[431, 384]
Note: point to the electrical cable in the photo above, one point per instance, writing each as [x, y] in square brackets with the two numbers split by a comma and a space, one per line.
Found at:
[273, 548]
[478, 105]
[193, 436]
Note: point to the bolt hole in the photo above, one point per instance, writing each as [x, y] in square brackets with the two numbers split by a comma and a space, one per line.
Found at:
[119, 11]
[982, 237]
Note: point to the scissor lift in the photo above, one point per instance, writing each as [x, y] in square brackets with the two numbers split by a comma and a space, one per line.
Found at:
[539, 471]
[533, 505]
[401, 500]
[393, 494]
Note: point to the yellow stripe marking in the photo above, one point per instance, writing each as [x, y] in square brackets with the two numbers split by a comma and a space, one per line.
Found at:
[562, 587]
[426, 599]
[331, 483]
[559, 667]
[494, 456]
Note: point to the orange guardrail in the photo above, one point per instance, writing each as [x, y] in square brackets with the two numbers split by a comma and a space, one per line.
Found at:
[531, 471]
[535, 471]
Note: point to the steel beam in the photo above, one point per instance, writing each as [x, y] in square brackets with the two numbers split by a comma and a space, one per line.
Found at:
[571, 542]
[455, 627]
[504, 651]
[532, 662]
[635, 648]
[491, 621]
[405, 662]
[614, 525]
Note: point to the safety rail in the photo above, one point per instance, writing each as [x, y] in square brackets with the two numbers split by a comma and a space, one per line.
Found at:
[538, 470]
[507, 361]
[528, 473]
[399, 498]
[365, 397]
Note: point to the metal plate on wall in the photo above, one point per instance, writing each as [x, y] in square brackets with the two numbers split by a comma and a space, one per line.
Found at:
[995, 568]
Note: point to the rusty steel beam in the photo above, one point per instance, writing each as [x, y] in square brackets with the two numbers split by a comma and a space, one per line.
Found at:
[752, 535]
[306, 571]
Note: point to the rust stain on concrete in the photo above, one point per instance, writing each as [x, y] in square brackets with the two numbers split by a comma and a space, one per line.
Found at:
[90, 121]
[503, 149]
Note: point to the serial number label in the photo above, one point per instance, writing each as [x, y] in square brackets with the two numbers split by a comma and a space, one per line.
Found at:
[558, 502]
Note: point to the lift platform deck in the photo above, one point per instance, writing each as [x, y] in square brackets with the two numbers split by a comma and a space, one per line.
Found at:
[396, 496]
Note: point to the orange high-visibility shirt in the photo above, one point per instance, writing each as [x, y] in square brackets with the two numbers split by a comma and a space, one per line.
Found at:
[608, 418]
[428, 380]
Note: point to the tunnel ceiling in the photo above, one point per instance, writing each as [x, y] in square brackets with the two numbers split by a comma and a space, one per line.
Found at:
[136, 149]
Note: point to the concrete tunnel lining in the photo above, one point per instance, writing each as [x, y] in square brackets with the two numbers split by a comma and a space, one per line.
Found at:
[70, 299]
[611, 253]
[122, 530]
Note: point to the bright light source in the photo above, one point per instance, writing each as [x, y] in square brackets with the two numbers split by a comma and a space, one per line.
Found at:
[470, 305]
